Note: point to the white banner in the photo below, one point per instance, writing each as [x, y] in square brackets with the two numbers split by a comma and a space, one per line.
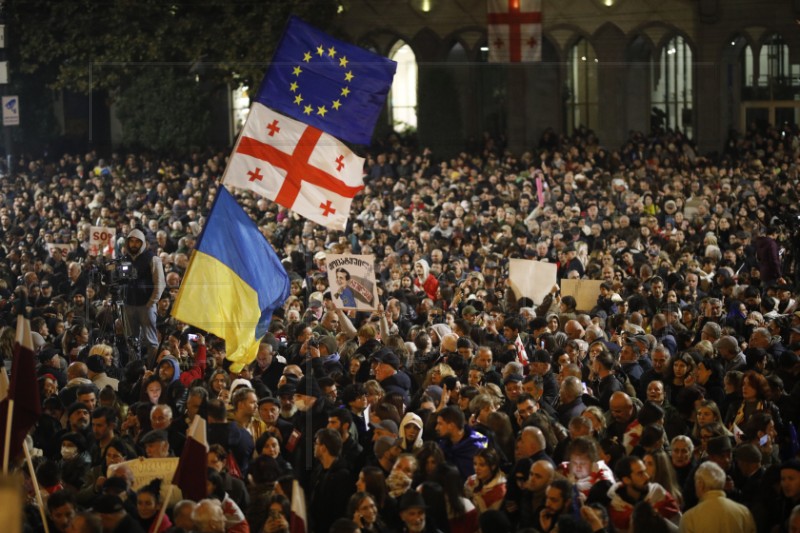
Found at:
[146, 470]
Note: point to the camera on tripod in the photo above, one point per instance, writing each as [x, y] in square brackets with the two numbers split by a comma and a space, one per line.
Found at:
[124, 272]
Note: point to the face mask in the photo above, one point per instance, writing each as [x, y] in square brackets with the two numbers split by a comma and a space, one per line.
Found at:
[301, 404]
[69, 452]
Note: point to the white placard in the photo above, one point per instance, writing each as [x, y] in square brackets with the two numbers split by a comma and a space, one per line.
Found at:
[101, 241]
[532, 279]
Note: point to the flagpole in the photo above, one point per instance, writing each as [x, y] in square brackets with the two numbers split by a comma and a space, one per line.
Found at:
[6, 448]
[163, 507]
[35, 486]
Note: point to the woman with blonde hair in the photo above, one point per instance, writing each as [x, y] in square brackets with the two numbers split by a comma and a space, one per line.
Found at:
[598, 420]
[436, 375]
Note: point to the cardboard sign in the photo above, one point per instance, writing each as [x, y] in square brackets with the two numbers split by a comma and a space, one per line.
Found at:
[146, 470]
[532, 279]
[101, 241]
[11, 512]
[585, 292]
[351, 279]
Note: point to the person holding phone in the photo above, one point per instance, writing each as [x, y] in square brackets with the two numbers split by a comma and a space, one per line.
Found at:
[364, 510]
[279, 510]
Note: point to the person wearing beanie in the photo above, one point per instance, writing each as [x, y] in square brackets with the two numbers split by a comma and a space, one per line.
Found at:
[143, 292]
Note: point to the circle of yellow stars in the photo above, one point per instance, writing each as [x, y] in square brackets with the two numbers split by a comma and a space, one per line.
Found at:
[294, 87]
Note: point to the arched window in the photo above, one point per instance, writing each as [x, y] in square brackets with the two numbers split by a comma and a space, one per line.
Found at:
[774, 71]
[403, 96]
[749, 76]
[582, 104]
[673, 87]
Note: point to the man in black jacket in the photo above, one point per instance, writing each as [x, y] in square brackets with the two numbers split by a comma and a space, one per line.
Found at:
[331, 483]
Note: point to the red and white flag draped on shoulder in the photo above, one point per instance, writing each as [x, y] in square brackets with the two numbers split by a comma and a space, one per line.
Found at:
[21, 406]
[190, 476]
[514, 31]
[297, 166]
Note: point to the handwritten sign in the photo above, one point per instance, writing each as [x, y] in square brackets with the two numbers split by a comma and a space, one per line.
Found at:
[146, 470]
[101, 241]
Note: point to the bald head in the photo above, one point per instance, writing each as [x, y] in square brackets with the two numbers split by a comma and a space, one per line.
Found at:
[542, 473]
[530, 441]
[77, 370]
[573, 329]
[621, 407]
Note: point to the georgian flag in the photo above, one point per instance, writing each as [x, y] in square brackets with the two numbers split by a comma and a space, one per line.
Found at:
[298, 519]
[522, 355]
[514, 31]
[297, 166]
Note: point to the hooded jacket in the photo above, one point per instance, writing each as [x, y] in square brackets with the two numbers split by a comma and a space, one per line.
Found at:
[411, 418]
[428, 282]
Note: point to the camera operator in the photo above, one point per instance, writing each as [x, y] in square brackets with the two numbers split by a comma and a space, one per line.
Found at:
[143, 292]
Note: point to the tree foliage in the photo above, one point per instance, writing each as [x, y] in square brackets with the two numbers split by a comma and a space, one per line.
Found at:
[164, 110]
[86, 45]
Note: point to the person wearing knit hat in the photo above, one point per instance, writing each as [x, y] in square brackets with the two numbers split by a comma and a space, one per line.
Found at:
[143, 291]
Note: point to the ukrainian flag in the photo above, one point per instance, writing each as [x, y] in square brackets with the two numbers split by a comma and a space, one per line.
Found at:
[233, 283]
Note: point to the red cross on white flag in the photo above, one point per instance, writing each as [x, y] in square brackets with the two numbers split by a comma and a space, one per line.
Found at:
[296, 166]
[522, 355]
[514, 31]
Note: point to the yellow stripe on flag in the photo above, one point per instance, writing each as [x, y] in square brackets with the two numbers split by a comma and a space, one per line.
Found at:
[213, 298]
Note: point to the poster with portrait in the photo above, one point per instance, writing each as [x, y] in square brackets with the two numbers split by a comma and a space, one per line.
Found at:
[532, 279]
[101, 241]
[351, 279]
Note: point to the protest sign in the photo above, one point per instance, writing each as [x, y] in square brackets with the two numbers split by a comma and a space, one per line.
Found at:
[585, 292]
[351, 279]
[532, 279]
[101, 241]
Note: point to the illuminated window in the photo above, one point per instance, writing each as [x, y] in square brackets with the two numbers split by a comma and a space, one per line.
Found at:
[240, 103]
[582, 107]
[673, 87]
[403, 96]
[773, 62]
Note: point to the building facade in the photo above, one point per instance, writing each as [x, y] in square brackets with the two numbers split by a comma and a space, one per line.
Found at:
[702, 66]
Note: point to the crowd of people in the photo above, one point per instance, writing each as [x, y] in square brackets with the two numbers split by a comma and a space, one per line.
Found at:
[671, 404]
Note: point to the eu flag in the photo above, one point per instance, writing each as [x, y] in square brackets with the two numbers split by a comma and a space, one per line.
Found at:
[233, 283]
[334, 86]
